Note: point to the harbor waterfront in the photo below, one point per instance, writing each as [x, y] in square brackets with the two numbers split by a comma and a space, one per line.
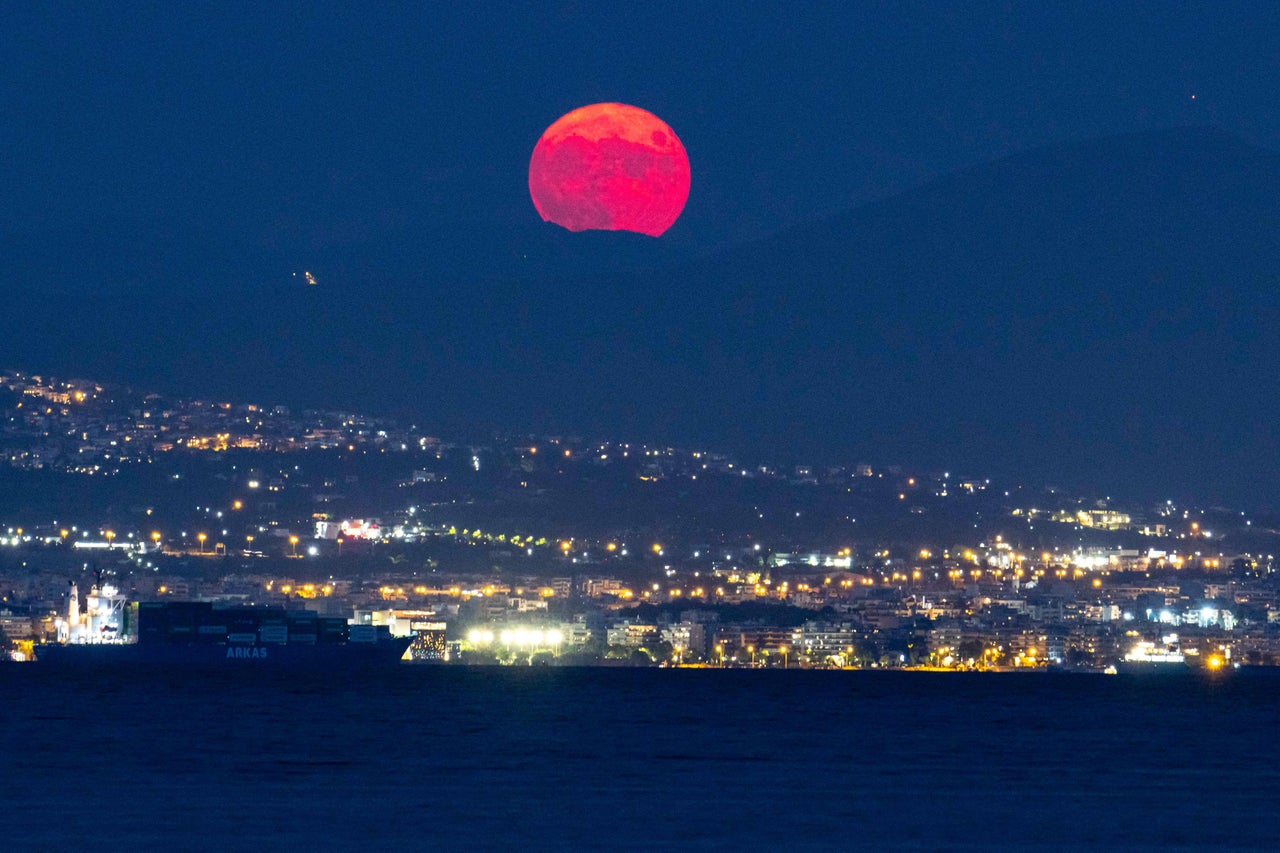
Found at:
[602, 758]
[562, 550]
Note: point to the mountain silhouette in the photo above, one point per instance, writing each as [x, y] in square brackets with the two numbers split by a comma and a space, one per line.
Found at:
[1101, 315]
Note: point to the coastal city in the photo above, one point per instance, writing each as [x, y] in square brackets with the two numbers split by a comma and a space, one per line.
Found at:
[491, 425]
[121, 506]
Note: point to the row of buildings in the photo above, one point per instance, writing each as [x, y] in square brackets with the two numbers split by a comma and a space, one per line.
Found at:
[864, 616]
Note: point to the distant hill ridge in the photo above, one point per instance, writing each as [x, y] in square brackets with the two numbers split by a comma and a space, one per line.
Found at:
[1104, 311]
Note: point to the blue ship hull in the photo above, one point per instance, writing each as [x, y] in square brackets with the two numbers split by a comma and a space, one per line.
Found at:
[337, 655]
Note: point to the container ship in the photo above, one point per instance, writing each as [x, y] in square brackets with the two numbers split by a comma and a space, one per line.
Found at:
[198, 633]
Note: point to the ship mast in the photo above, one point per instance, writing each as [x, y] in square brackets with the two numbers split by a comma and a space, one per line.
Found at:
[73, 614]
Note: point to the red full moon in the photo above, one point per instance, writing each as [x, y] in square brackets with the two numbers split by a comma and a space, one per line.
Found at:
[610, 167]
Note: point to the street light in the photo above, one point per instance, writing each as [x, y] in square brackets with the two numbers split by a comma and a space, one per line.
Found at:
[293, 540]
[784, 650]
[720, 652]
[752, 651]
[200, 537]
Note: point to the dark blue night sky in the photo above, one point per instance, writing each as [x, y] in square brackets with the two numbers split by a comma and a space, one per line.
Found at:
[1097, 310]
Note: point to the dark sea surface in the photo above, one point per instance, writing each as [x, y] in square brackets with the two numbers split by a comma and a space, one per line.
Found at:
[424, 758]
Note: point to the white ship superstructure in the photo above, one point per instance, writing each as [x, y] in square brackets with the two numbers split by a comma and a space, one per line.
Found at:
[101, 621]
[1146, 651]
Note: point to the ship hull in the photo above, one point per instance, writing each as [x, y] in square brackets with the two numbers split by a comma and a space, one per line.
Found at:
[386, 652]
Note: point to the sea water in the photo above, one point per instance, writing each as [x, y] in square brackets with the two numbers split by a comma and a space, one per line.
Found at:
[445, 758]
